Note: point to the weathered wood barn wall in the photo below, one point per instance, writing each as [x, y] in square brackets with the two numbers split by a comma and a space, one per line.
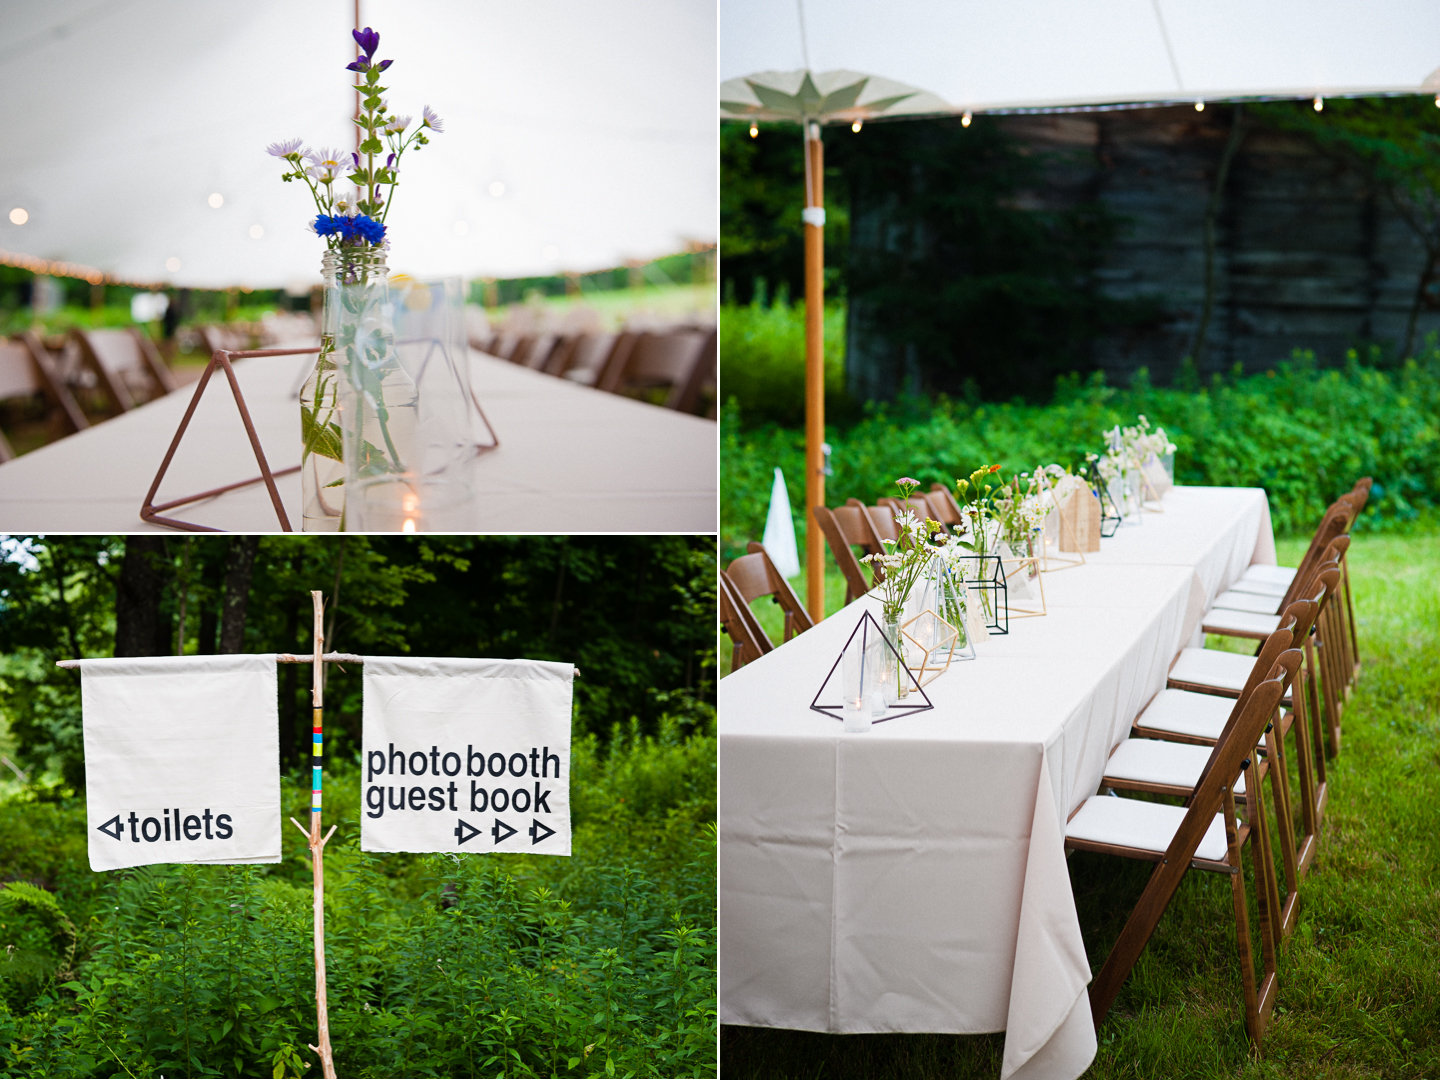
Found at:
[1307, 254]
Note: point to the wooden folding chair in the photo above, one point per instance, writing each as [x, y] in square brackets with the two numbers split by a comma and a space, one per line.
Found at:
[1204, 836]
[881, 521]
[689, 394]
[947, 510]
[847, 527]
[534, 351]
[126, 364]
[559, 359]
[919, 504]
[589, 357]
[26, 368]
[754, 576]
[1166, 762]
[740, 623]
[658, 367]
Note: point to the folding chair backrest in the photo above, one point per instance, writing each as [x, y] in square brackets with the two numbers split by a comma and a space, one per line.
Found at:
[1360, 494]
[659, 361]
[126, 367]
[612, 372]
[882, 520]
[842, 528]
[917, 503]
[587, 358]
[559, 359]
[754, 575]
[52, 381]
[742, 626]
[1335, 522]
[535, 351]
[1232, 754]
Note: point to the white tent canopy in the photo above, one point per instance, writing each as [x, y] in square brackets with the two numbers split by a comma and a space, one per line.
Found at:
[577, 135]
[1055, 53]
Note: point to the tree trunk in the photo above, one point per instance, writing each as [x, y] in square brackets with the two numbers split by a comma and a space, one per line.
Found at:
[239, 568]
[1212, 212]
[137, 599]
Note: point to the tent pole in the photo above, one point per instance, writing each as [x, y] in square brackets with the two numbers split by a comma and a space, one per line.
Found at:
[317, 845]
[814, 370]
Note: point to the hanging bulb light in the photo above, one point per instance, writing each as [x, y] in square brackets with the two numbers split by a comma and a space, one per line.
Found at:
[1319, 103]
[965, 120]
[1200, 106]
[754, 129]
[856, 126]
[1437, 101]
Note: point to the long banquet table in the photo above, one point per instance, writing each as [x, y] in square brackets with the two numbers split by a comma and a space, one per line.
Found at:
[913, 878]
[571, 459]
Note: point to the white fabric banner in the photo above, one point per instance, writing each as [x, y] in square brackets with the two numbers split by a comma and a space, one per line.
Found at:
[466, 755]
[182, 759]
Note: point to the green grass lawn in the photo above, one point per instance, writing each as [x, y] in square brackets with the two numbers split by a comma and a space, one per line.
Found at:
[1359, 982]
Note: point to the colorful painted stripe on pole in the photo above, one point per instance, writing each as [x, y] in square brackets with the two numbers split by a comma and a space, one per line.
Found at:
[315, 783]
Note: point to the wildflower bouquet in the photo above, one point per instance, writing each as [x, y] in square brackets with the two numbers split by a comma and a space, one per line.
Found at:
[352, 222]
[904, 560]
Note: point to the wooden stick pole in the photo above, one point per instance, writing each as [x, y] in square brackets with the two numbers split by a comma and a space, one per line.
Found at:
[317, 843]
[814, 230]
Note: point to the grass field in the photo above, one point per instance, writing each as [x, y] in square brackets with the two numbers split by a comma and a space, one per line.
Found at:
[1359, 982]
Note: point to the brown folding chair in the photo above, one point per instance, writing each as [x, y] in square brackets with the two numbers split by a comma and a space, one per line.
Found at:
[1202, 836]
[127, 364]
[534, 351]
[881, 521]
[655, 366]
[589, 358]
[559, 359]
[689, 394]
[847, 527]
[754, 576]
[26, 369]
[947, 510]
[740, 623]
[1159, 761]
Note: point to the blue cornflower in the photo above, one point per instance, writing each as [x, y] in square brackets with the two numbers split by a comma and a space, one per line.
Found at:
[350, 229]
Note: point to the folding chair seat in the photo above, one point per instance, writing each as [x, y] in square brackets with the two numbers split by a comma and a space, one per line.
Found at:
[750, 641]
[846, 527]
[1269, 579]
[1205, 835]
[754, 576]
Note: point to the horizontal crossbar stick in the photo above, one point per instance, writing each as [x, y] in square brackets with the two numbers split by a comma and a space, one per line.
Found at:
[287, 658]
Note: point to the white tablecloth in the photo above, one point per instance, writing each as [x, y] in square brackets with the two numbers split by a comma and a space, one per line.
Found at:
[913, 878]
[571, 459]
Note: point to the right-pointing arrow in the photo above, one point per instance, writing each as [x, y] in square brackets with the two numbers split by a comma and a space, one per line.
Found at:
[539, 832]
[464, 831]
[499, 836]
[113, 824]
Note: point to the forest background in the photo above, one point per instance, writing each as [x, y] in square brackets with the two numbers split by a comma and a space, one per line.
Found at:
[497, 965]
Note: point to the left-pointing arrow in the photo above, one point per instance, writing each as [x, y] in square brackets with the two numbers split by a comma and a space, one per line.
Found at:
[113, 828]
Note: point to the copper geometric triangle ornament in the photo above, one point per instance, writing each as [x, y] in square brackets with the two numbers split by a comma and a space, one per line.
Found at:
[150, 513]
[868, 664]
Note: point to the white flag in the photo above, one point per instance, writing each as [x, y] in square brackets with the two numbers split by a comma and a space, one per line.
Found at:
[466, 755]
[182, 759]
[779, 539]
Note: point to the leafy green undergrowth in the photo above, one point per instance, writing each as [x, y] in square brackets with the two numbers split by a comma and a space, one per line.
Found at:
[1358, 989]
[1303, 434]
[602, 964]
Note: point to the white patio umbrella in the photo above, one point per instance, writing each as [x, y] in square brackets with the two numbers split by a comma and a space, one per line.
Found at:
[1038, 55]
[577, 136]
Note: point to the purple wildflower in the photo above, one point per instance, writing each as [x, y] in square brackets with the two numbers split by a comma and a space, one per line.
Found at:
[431, 120]
[360, 64]
[390, 162]
[368, 40]
[385, 64]
[283, 149]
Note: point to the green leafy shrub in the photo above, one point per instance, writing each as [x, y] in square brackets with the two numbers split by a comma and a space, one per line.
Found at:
[1302, 433]
[762, 361]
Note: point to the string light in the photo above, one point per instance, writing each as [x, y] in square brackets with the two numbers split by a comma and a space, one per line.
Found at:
[965, 120]
[19, 216]
[1437, 101]
[172, 264]
[856, 126]
[1319, 103]
[754, 129]
[68, 269]
[257, 231]
[1200, 106]
[216, 201]
[497, 188]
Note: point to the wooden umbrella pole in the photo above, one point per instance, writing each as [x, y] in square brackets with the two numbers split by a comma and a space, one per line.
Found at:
[317, 844]
[814, 369]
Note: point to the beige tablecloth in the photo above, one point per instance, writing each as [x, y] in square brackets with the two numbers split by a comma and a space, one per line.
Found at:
[913, 878]
[571, 459]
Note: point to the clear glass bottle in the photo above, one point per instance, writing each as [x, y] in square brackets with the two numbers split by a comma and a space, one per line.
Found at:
[378, 400]
[322, 459]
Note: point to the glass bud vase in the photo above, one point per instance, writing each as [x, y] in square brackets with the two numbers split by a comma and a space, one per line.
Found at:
[322, 459]
[897, 686]
[379, 402]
